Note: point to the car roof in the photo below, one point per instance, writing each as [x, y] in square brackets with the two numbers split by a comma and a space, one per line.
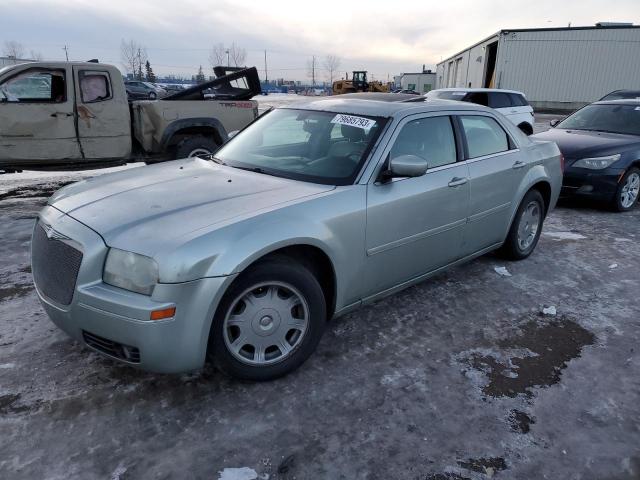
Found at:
[363, 104]
[619, 101]
[464, 89]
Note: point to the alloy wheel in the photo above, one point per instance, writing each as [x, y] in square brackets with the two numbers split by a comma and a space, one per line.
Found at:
[630, 190]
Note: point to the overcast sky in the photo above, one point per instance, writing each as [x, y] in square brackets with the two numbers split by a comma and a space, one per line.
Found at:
[383, 37]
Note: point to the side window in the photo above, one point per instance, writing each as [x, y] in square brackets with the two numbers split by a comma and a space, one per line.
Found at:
[36, 86]
[499, 100]
[477, 97]
[94, 86]
[430, 138]
[518, 100]
[484, 136]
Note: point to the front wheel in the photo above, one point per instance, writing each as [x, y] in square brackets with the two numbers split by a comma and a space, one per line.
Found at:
[269, 321]
[526, 227]
[627, 191]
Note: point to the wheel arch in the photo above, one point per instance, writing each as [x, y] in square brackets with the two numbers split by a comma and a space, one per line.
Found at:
[181, 129]
[311, 256]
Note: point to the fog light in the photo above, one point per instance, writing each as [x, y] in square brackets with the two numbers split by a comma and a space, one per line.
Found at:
[164, 313]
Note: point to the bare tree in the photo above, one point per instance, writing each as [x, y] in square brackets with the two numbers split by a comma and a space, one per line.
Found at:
[217, 55]
[238, 55]
[35, 55]
[133, 57]
[13, 49]
[331, 64]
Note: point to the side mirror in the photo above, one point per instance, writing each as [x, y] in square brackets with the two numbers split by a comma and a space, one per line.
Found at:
[407, 166]
[553, 123]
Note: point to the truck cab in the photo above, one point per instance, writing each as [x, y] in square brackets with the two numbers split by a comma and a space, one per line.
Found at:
[78, 115]
[63, 111]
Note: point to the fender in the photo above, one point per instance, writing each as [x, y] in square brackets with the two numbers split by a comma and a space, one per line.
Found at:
[181, 124]
[536, 174]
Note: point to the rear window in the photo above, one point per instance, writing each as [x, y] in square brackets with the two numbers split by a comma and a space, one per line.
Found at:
[518, 100]
[499, 100]
[484, 136]
[447, 95]
[481, 98]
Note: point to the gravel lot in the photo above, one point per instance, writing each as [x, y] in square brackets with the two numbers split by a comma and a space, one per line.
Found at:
[461, 377]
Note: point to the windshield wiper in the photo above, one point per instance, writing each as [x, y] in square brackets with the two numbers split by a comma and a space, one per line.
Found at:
[217, 160]
[250, 169]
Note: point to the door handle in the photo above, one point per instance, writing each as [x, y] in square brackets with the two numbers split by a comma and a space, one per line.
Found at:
[61, 114]
[518, 165]
[457, 181]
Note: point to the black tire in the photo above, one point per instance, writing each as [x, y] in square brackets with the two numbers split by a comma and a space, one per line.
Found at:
[616, 204]
[511, 249]
[275, 269]
[153, 95]
[188, 146]
[526, 128]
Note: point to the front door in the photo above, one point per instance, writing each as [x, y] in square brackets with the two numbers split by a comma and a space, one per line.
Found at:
[37, 116]
[416, 225]
[104, 125]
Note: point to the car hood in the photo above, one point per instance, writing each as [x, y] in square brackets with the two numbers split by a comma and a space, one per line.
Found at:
[143, 209]
[580, 143]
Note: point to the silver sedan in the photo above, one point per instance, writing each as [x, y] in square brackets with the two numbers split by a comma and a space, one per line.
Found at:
[310, 212]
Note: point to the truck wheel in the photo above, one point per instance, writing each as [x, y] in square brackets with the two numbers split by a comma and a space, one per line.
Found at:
[153, 95]
[269, 321]
[195, 147]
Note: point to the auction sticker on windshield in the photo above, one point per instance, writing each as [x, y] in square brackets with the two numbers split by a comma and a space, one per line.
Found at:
[353, 121]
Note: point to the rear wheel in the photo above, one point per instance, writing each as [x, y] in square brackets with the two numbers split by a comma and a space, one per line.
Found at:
[627, 191]
[196, 146]
[153, 95]
[526, 227]
[269, 321]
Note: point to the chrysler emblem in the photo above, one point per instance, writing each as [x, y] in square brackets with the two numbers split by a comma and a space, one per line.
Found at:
[53, 234]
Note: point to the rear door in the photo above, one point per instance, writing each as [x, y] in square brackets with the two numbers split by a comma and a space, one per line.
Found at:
[521, 110]
[104, 122]
[415, 225]
[37, 121]
[496, 166]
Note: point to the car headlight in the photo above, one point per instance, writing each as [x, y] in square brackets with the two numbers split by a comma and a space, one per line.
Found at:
[597, 163]
[130, 271]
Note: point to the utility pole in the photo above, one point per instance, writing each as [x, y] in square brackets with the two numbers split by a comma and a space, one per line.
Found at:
[228, 61]
[266, 76]
[313, 72]
[139, 66]
[66, 52]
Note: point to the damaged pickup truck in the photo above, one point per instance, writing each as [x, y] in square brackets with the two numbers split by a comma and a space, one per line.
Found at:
[75, 115]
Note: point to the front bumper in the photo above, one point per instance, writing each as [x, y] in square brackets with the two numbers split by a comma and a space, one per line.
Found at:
[116, 322]
[596, 184]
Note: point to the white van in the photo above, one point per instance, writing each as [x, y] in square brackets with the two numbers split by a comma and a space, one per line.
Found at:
[510, 103]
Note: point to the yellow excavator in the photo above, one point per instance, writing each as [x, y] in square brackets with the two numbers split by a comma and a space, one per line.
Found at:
[358, 83]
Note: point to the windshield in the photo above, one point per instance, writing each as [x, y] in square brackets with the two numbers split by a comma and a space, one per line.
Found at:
[319, 147]
[623, 119]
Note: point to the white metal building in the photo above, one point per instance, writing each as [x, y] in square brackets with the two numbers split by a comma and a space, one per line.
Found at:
[420, 82]
[556, 68]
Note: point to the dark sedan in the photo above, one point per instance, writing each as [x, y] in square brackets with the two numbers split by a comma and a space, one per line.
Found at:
[601, 147]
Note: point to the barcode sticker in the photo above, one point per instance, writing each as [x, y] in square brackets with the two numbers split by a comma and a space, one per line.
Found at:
[353, 121]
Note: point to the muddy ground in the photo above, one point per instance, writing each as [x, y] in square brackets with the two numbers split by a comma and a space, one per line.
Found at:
[461, 377]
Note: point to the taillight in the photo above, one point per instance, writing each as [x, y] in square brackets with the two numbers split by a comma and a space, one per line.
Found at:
[562, 162]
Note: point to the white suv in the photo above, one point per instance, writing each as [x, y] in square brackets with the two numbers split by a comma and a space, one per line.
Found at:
[510, 103]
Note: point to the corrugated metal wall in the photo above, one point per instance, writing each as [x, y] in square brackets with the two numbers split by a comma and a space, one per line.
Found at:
[471, 67]
[569, 66]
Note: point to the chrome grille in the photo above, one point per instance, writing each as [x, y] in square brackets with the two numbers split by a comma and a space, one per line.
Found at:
[55, 266]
